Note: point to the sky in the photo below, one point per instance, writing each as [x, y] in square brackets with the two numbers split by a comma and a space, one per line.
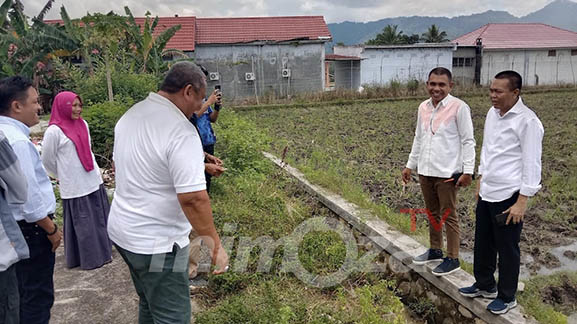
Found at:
[334, 11]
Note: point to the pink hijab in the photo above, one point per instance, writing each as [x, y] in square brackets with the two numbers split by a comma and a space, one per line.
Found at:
[75, 130]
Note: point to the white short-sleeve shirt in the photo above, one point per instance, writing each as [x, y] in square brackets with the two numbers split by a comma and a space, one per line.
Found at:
[157, 155]
[61, 160]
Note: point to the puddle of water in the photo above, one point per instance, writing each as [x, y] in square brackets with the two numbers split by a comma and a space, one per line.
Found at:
[572, 319]
[566, 263]
[524, 273]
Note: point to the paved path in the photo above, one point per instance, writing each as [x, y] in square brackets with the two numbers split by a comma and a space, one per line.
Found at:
[104, 295]
[101, 296]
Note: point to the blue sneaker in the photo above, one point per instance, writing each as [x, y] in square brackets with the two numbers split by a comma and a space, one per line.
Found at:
[498, 306]
[448, 266]
[473, 292]
[429, 256]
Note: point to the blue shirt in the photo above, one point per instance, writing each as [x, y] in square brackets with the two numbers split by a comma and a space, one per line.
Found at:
[203, 124]
[41, 200]
[13, 189]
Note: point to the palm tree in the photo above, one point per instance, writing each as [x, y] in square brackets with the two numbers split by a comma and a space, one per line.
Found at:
[389, 36]
[434, 35]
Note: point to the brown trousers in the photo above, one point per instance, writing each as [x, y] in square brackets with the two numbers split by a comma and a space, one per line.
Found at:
[440, 196]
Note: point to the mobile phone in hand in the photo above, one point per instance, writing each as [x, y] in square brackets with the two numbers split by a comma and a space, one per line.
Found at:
[456, 176]
[501, 219]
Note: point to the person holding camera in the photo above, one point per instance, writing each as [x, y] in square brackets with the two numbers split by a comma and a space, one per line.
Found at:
[509, 173]
[444, 153]
[203, 119]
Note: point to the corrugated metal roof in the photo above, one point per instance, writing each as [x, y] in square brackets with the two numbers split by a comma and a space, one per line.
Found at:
[252, 29]
[520, 36]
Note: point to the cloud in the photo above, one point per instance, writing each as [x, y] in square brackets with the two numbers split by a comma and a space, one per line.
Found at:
[332, 10]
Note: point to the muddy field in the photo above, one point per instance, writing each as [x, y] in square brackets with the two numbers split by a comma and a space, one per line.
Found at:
[370, 144]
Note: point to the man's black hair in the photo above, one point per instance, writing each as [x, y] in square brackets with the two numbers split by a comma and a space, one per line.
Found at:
[515, 79]
[12, 89]
[441, 71]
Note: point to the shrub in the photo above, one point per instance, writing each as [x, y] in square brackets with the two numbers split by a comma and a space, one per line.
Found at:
[92, 88]
[244, 144]
[102, 118]
[412, 87]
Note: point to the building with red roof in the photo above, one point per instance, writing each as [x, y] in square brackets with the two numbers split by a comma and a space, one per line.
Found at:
[253, 56]
[542, 54]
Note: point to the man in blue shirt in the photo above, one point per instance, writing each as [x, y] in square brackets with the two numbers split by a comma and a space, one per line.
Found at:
[203, 119]
[18, 112]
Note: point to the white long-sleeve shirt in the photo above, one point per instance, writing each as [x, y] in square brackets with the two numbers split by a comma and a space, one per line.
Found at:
[511, 153]
[61, 160]
[444, 142]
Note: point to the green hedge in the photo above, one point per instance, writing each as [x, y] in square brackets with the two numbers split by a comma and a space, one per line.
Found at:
[101, 119]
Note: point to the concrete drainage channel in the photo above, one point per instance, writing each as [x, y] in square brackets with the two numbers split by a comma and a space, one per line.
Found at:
[416, 281]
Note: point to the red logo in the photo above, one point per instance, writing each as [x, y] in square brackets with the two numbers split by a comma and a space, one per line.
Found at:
[415, 211]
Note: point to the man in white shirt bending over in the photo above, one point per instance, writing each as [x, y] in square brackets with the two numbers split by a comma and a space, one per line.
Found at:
[160, 193]
[510, 173]
[444, 153]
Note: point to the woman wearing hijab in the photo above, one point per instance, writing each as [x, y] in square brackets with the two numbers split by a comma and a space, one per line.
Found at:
[67, 155]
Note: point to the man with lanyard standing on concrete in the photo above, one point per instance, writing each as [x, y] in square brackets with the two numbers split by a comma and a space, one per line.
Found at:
[18, 112]
[509, 173]
[444, 153]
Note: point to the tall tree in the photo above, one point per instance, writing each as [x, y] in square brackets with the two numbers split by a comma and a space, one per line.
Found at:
[434, 35]
[389, 36]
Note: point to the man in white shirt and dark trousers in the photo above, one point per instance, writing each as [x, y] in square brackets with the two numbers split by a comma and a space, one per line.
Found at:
[509, 173]
[444, 153]
[18, 112]
[160, 193]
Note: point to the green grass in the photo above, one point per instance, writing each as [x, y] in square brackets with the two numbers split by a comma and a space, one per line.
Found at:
[533, 299]
[253, 199]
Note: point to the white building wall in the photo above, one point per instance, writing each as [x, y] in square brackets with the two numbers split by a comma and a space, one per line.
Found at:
[381, 66]
[535, 66]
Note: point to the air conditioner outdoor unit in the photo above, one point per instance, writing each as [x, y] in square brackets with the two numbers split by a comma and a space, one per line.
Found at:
[286, 73]
[214, 76]
[249, 76]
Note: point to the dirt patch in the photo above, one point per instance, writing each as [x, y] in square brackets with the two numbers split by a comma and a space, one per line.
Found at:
[563, 297]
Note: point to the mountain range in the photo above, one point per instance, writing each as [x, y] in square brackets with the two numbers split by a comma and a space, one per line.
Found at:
[559, 13]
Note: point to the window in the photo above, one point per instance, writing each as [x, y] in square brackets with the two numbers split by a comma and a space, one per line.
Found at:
[462, 61]
[574, 52]
[552, 53]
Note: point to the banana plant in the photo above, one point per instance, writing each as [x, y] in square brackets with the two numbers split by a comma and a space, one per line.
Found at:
[150, 49]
